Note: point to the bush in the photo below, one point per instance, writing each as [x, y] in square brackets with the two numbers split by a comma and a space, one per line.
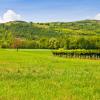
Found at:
[5, 45]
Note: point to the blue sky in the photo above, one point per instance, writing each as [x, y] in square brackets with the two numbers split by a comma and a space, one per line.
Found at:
[51, 10]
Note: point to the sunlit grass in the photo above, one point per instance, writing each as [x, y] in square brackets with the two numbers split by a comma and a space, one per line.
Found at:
[38, 75]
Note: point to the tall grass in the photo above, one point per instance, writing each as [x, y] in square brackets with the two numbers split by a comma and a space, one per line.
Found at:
[38, 75]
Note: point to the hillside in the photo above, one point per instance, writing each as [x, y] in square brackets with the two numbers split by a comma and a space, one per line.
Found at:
[25, 29]
[56, 32]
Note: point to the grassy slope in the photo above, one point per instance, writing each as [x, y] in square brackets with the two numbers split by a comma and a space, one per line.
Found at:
[29, 75]
[25, 30]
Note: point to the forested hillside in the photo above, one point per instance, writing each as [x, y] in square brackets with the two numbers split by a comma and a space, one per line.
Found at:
[72, 35]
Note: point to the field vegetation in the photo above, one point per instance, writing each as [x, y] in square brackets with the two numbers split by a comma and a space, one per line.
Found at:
[38, 75]
[79, 53]
[29, 69]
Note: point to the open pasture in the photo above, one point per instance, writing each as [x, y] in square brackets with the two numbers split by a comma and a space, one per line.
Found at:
[38, 75]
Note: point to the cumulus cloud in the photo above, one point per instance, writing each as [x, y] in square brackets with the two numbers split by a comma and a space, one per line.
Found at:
[97, 17]
[10, 15]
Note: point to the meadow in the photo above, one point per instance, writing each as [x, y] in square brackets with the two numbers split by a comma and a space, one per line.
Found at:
[38, 75]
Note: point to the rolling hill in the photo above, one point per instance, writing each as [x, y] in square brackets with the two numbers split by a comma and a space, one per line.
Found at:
[56, 32]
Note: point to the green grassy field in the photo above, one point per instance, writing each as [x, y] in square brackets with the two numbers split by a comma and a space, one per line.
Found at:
[38, 75]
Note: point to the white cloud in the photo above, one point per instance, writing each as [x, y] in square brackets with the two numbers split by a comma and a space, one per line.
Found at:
[97, 17]
[10, 15]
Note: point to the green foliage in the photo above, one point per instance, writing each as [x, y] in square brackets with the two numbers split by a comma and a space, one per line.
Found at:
[79, 53]
[53, 43]
[73, 35]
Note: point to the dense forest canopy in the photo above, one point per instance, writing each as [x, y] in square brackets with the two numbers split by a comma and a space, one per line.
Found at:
[68, 35]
